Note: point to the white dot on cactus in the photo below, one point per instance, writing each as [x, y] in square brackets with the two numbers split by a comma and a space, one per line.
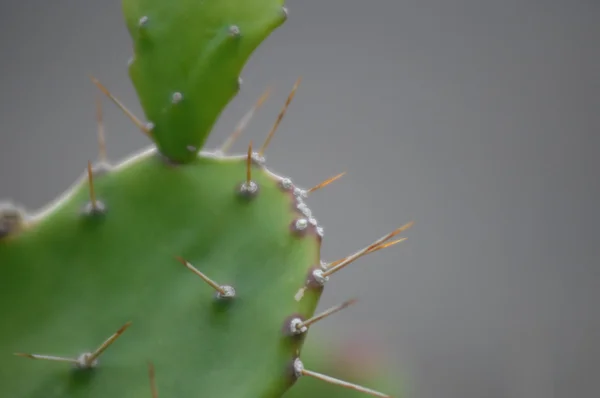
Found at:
[296, 326]
[92, 208]
[286, 184]
[307, 213]
[149, 126]
[319, 277]
[285, 12]
[320, 231]
[82, 361]
[240, 81]
[229, 292]
[298, 367]
[300, 293]
[143, 20]
[176, 97]
[304, 209]
[252, 187]
[312, 221]
[301, 224]
[258, 159]
[191, 148]
[234, 30]
[130, 61]
[301, 193]
[249, 189]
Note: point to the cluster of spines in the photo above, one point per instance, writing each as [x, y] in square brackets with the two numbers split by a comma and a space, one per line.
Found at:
[319, 274]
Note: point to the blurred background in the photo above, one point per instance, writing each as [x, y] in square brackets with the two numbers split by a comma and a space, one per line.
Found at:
[479, 120]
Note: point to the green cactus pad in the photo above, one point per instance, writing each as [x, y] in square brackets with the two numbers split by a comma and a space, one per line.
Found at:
[71, 278]
[188, 55]
[172, 257]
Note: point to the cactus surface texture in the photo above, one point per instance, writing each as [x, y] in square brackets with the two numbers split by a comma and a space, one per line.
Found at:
[178, 272]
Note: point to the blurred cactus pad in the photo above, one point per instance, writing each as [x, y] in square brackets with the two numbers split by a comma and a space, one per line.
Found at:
[178, 272]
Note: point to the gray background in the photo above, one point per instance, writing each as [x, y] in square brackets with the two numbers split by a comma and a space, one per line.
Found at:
[478, 120]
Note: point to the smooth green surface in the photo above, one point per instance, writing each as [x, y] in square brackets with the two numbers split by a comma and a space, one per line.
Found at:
[186, 46]
[71, 281]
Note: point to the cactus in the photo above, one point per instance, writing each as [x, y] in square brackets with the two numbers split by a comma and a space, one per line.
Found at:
[202, 265]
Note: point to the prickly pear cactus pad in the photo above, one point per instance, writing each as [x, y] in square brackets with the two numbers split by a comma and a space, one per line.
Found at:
[191, 272]
[74, 277]
[188, 55]
[196, 268]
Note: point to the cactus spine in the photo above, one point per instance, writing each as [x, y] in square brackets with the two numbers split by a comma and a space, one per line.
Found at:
[204, 265]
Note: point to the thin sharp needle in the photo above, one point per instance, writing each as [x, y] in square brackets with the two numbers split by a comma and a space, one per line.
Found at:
[101, 135]
[151, 375]
[280, 117]
[91, 185]
[205, 278]
[366, 250]
[107, 343]
[327, 313]
[46, 357]
[243, 123]
[325, 183]
[123, 108]
[344, 384]
[377, 248]
[249, 165]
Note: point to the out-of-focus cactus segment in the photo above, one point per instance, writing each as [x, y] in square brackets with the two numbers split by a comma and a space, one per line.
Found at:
[188, 55]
